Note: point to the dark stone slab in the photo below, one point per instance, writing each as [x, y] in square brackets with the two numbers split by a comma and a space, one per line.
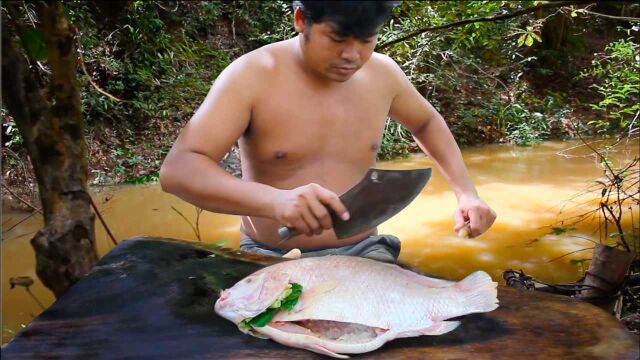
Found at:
[153, 298]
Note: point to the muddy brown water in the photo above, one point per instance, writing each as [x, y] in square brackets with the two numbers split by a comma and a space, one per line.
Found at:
[531, 190]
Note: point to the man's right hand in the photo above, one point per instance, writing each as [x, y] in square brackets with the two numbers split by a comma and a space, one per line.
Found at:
[305, 208]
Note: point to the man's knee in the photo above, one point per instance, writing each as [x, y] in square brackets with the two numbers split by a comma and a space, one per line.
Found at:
[381, 253]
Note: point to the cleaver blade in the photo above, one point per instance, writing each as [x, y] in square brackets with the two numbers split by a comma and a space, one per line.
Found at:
[377, 197]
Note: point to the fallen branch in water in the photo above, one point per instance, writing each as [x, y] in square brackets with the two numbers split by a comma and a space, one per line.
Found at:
[22, 200]
[104, 224]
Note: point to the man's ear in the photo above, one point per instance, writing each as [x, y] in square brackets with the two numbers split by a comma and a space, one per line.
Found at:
[298, 20]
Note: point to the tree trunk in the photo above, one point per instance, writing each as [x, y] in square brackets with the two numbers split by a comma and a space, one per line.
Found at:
[54, 138]
[606, 274]
[555, 32]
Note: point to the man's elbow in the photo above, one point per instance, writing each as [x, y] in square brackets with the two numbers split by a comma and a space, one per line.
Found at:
[167, 177]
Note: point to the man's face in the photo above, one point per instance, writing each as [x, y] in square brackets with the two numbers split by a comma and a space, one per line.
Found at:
[331, 55]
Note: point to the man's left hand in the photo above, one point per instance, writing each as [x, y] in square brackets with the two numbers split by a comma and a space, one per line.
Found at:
[473, 214]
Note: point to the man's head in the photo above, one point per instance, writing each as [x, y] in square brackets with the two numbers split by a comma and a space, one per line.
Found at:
[339, 36]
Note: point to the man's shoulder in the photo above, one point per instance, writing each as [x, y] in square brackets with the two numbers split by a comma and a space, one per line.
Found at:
[259, 62]
[386, 69]
[384, 63]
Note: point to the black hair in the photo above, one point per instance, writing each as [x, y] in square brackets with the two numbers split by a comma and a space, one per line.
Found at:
[360, 19]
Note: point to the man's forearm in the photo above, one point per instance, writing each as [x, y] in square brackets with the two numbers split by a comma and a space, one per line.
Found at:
[198, 180]
[436, 140]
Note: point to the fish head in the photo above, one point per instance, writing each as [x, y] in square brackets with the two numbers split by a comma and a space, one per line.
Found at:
[251, 296]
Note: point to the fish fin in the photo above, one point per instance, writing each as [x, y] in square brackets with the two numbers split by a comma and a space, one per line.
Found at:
[437, 328]
[324, 351]
[309, 296]
[480, 292]
[427, 281]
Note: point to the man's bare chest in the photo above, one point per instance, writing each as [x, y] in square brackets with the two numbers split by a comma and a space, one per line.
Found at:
[301, 124]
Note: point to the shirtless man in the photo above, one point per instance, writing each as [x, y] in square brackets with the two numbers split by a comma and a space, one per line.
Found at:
[309, 113]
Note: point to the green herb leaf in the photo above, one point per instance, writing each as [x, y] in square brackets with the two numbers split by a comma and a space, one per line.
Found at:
[266, 316]
[290, 301]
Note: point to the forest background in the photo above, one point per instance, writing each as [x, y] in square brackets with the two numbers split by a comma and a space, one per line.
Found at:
[145, 66]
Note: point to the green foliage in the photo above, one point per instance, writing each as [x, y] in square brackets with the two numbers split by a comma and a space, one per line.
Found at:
[527, 37]
[152, 177]
[160, 59]
[12, 133]
[268, 21]
[617, 76]
[158, 68]
[396, 141]
[34, 43]
[524, 127]
[473, 74]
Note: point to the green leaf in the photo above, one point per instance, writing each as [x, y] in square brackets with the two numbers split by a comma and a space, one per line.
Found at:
[577, 261]
[529, 40]
[266, 316]
[521, 39]
[290, 301]
[34, 42]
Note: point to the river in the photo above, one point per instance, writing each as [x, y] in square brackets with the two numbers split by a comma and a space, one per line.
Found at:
[531, 189]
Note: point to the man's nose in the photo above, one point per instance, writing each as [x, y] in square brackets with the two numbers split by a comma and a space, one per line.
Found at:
[350, 52]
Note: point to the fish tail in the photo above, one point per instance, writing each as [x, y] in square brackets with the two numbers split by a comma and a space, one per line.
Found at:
[480, 292]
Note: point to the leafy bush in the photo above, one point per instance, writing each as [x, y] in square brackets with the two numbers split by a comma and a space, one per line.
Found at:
[396, 141]
[156, 68]
[617, 72]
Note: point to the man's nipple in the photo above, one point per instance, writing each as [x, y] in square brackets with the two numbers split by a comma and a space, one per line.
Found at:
[374, 147]
[279, 154]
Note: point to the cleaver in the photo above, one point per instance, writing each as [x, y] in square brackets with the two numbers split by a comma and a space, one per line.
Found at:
[376, 198]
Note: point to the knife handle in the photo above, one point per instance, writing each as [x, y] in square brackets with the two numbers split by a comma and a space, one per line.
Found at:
[285, 233]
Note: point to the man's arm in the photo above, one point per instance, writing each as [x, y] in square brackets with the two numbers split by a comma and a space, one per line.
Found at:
[431, 133]
[191, 170]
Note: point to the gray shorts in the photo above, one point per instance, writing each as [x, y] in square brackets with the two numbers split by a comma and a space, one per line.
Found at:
[385, 248]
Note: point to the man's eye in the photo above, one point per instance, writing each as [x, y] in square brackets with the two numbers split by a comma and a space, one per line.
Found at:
[334, 39]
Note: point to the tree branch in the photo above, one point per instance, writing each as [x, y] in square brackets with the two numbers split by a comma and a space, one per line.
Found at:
[22, 200]
[622, 18]
[550, 5]
[86, 73]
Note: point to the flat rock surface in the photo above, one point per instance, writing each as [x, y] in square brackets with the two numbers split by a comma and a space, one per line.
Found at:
[153, 298]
